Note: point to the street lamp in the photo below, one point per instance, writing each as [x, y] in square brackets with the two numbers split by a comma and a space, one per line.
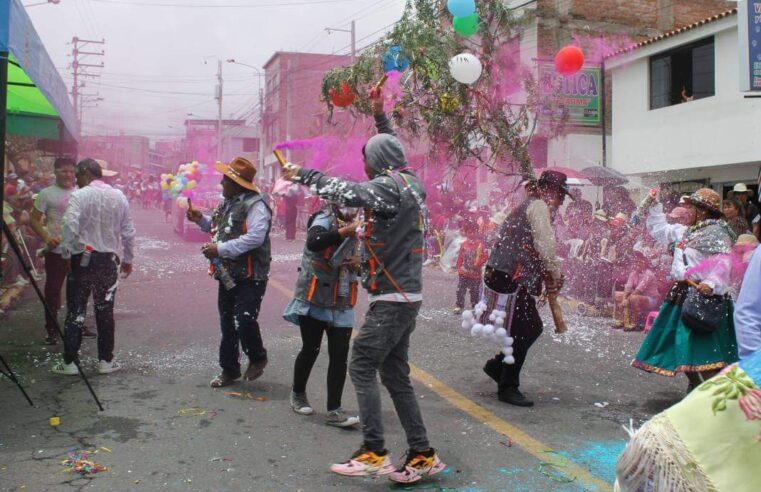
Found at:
[54, 2]
[353, 33]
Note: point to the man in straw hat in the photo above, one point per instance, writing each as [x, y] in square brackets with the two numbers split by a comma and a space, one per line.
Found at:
[240, 257]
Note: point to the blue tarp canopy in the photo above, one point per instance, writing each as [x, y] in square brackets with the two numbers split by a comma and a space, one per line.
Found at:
[38, 102]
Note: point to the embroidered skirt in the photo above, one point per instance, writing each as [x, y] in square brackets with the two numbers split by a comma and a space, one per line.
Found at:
[671, 347]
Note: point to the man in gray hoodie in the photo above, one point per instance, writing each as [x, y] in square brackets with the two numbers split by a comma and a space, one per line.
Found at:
[394, 205]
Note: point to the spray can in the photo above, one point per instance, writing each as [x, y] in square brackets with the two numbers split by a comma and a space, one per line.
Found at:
[86, 257]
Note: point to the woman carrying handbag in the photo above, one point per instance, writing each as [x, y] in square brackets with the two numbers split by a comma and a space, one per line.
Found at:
[676, 343]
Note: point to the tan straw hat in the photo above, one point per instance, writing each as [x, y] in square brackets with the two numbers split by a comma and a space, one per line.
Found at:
[241, 171]
[742, 188]
[707, 199]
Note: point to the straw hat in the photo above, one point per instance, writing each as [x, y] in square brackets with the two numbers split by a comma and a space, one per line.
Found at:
[741, 188]
[707, 199]
[241, 171]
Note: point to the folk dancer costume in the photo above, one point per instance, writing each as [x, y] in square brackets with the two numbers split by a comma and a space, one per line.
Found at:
[710, 441]
[240, 226]
[392, 273]
[670, 346]
[323, 302]
[523, 255]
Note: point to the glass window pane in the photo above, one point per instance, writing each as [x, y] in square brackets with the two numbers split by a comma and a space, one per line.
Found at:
[660, 82]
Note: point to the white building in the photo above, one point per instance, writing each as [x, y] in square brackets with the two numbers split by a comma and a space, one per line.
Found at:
[678, 110]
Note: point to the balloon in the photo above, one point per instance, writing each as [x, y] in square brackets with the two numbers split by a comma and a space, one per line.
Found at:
[344, 98]
[169, 176]
[395, 59]
[569, 60]
[191, 184]
[465, 68]
[164, 185]
[466, 26]
[461, 8]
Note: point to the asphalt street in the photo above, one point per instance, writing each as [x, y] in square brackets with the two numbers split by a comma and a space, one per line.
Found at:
[164, 428]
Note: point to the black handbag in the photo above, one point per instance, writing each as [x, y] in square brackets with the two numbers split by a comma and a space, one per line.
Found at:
[703, 314]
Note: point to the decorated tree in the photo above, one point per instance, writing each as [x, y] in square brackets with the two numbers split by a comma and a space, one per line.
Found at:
[462, 84]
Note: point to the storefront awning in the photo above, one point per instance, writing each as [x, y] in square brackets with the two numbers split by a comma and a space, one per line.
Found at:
[38, 103]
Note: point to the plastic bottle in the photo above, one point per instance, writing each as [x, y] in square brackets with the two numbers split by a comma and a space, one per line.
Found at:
[86, 256]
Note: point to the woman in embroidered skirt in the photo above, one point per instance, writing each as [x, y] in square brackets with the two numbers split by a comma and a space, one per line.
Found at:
[670, 346]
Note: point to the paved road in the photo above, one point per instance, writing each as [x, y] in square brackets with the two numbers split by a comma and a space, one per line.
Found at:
[167, 336]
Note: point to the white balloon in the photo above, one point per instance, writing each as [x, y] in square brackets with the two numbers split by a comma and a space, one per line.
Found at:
[492, 317]
[477, 329]
[465, 68]
[508, 351]
[509, 342]
[509, 360]
[467, 315]
[501, 333]
[488, 330]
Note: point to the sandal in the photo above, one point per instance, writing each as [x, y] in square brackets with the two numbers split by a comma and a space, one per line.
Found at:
[222, 380]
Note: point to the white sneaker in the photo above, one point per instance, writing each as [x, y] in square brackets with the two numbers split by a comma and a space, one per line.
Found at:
[300, 404]
[69, 369]
[108, 367]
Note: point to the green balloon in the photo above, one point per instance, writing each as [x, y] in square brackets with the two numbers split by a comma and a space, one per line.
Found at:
[466, 26]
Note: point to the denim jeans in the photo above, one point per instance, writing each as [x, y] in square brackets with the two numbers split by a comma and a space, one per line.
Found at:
[99, 277]
[238, 313]
[382, 345]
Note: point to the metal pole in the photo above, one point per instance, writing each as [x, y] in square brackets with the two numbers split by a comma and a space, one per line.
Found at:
[603, 118]
[3, 124]
[219, 115]
[75, 86]
[353, 42]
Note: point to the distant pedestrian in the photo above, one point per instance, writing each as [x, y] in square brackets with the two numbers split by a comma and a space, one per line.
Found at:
[240, 256]
[96, 221]
[744, 194]
[326, 292]
[734, 213]
[470, 261]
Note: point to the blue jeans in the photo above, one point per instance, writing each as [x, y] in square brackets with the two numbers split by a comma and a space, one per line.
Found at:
[382, 345]
[238, 313]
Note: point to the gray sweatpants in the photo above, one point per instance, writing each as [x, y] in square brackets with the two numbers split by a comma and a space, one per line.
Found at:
[382, 345]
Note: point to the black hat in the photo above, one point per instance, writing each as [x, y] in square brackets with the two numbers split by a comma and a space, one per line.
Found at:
[554, 178]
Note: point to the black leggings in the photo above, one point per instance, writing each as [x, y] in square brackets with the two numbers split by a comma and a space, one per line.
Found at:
[338, 353]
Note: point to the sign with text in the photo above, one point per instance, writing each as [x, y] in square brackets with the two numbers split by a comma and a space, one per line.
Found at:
[579, 94]
[749, 32]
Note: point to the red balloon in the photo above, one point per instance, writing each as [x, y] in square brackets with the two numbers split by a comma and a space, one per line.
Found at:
[569, 60]
[345, 98]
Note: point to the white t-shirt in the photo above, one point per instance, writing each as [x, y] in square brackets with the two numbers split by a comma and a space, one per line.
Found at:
[52, 201]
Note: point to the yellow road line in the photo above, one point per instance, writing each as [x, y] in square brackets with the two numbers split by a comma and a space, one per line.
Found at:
[519, 438]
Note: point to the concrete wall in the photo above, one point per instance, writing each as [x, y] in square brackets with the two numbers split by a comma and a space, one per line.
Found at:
[722, 130]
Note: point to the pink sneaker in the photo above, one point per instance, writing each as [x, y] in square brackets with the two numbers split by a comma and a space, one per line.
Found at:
[418, 465]
[365, 463]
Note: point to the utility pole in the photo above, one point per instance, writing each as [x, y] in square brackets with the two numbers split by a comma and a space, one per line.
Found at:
[219, 115]
[80, 69]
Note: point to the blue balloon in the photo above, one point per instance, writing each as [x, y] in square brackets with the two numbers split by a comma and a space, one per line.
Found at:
[461, 8]
[395, 59]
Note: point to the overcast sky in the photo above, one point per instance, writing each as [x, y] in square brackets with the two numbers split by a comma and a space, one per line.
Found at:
[155, 49]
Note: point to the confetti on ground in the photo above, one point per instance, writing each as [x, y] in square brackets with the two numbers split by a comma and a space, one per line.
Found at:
[80, 462]
[191, 412]
[549, 469]
[245, 395]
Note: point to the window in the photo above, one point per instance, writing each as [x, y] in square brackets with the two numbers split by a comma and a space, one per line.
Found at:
[683, 74]
[250, 144]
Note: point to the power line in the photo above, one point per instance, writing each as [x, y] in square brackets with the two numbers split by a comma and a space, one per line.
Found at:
[211, 6]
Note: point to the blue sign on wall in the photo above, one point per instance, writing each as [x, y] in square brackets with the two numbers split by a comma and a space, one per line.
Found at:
[754, 43]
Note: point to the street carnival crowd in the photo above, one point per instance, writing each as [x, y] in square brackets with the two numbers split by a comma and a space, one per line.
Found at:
[683, 268]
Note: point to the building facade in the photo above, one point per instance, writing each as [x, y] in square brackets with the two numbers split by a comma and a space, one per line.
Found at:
[122, 152]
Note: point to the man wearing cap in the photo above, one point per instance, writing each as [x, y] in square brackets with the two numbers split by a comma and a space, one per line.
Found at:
[96, 221]
[742, 193]
[522, 258]
[240, 257]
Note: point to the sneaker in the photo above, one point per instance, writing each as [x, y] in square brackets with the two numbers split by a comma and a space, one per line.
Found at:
[69, 369]
[300, 404]
[418, 464]
[108, 367]
[457, 310]
[338, 418]
[365, 463]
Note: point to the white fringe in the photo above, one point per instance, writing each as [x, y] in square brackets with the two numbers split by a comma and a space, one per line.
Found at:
[657, 460]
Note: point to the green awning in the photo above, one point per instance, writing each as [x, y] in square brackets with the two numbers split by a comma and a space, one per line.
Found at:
[29, 112]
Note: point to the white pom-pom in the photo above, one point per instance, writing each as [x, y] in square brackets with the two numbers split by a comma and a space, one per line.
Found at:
[465, 325]
[508, 351]
[503, 314]
[467, 315]
[477, 329]
[501, 321]
[509, 342]
[488, 330]
[509, 360]
[501, 333]
[492, 317]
